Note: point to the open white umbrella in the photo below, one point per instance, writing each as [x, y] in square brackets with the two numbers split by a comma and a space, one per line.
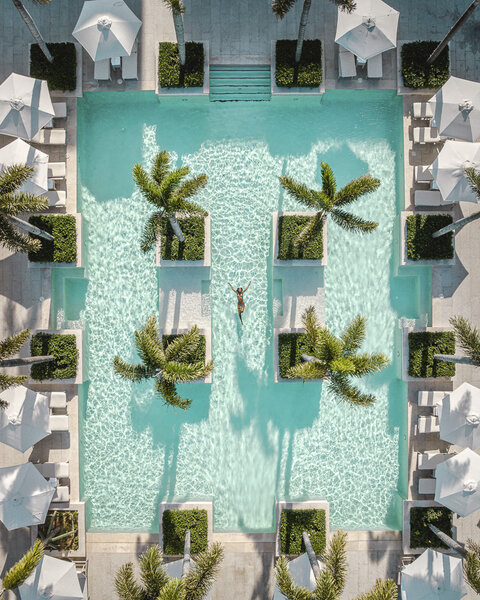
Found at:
[106, 28]
[19, 152]
[448, 170]
[25, 106]
[459, 415]
[370, 29]
[24, 496]
[302, 574]
[458, 483]
[54, 579]
[25, 421]
[456, 109]
[433, 576]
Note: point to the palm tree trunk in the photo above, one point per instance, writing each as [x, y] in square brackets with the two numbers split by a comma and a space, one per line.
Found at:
[461, 360]
[448, 541]
[176, 228]
[21, 362]
[458, 224]
[30, 228]
[33, 29]
[311, 555]
[301, 36]
[187, 563]
[180, 32]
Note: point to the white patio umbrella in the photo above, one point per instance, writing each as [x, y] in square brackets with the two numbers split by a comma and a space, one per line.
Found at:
[25, 421]
[106, 28]
[370, 29]
[448, 170]
[456, 109]
[433, 576]
[54, 579]
[458, 483]
[19, 152]
[302, 574]
[24, 496]
[459, 416]
[25, 106]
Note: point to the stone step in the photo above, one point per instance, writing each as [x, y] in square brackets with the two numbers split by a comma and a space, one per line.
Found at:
[239, 83]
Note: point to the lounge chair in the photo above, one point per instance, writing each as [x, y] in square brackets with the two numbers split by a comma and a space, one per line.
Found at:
[57, 470]
[62, 494]
[426, 135]
[56, 198]
[60, 109]
[428, 198]
[129, 64]
[422, 174]
[374, 67]
[430, 399]
[428, 424]
[422, 110]
[56, 170]
[101, 70]
[58, 423]
[427, 486]
[346, 63]
[430, 460]
[52, 137]
[58, 400]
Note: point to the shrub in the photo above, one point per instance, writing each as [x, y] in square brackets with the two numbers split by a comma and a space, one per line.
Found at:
[61, 73]
[290, 348]
[422, 346]
[294, 522]
[415, 71]
[175, 524]
[60, 345]
[310, 67]
[420, 243]
[420, 535]
[193, 248]
[169, 73]
[198, 355]
[57, 524]
[289, 228]
[63, 249]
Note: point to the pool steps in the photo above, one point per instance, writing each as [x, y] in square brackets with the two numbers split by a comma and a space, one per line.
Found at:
[239, 82]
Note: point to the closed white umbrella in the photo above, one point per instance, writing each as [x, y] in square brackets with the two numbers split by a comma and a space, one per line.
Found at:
[459, 415]
[458, 483]
[448, 170]
[433, 576]
[106, 28]
[25, 421]
[456, 109]
[370, 29]
[24, 496]
[25, 106]
[54, 579]
[302, 574]
[19, 152]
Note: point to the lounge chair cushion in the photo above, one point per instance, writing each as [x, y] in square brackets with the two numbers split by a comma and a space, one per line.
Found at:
[422, 110]
[57, 137]
[426, 135]
[57, 470]
[58, 423]
[428, 198]
[426, 486]
[58, 400]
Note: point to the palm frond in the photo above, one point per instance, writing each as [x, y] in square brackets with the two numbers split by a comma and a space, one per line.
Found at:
[169, 184]
[14, 240]
[325, 588]
[468, 337]
[342, 388]
[183, 346]
[471, 565]
[201, 576]
[22, 569]
[354, 334]
[175, 5]
[382, 590]
[356, 188]
[365, 364]
[311, 228]
[151, 232]
[44, 2]
[14, 177]
[473, 176]
[189, 207]
[131, 372]
[342, 364]
[329, 185]
[311, 324]
[147, 187]
[125, 584]
[152, 573]
[351, 222]
[8, 381]
[190, 188]
[181, 372]
[300, 192]
[11, 345]
[307, 371]
[286, 584]
[335, 559]
[16, 204]
[149, 347]
[328, 347]
[346, 5]
[161, 166]
[169, 394]
[281, 7]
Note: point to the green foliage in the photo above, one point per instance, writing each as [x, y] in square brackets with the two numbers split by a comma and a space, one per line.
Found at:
[290, 348]
[471, 565]
[415, 71]
[193, 248]
[292, 525]
[60, 345]
[60, 530]
[63, 249]
[197, 354]
[310, 66]
[420, 534]
[61, 73]
[169, 71]
[468, 338]
[175, 524]
[420, 243]
[22, 569]
[422, 347]
[289, 229]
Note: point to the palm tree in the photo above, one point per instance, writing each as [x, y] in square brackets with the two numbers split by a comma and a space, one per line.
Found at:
[336, 358]
[156, 583]
[22, 569]
[330, 202]
[177, 8]
[170, 365]
[468, 337]
[30, 23]
[13, 203]
[473, 177]
[169, 194]
[471, 565]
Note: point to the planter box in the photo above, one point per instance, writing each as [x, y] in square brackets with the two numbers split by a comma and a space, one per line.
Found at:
[78, 91]
[403, 238]
[202, 505]
[300, 262]
[188, 263]
[78, 333]
[407, 505]
[294, 91]
[207, 333]
[402, 90]
[192, 91]
[276, 368]
[405, 355]
[308, 505]
[80, 553]
[78, 262]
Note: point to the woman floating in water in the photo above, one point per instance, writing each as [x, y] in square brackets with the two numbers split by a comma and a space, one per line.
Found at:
[241, 304]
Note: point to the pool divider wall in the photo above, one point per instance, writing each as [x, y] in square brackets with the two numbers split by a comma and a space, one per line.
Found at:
[300, 505]
[78, 333]
[78, 224]
[403, 237]
[405, 355]
[296, 263]
[190, 505]
[188, 263]
[205, 331]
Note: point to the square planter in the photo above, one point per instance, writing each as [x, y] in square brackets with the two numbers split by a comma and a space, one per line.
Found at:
[78, 91]
[207, 333]
[276, 367]
[307, 505]
[192, 91]
[78, 333]
[187, 263]
[294, 91]
[202, 505]
[78, 262]
[297, 262]
[80, 553]
[405, 355]
[407, 506]
[403, 242]
[402, 90]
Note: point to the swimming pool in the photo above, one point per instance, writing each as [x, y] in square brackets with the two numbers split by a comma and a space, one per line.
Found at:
[246, 440]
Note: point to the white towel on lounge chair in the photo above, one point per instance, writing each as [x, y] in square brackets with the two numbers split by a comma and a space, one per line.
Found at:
[428, 198]
[422, 110]
[56, 198]
[52, 137]
[426, 135]
[428, 398]
[428, 424]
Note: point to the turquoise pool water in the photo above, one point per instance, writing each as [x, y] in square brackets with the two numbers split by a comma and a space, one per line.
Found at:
[246, 440]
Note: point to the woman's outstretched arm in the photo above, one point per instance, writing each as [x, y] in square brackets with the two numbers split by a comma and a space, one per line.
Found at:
[247, 286]
[232, 287]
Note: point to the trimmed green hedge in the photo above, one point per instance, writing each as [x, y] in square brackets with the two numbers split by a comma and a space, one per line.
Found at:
[290, 348]
[415, 71]
[61, 74]
[198, 356]
[309, 70]
[175, 524]
[420, 243]
[60, 345]
[63, 249]
[193, 248]
[294, 522]
[422, 346]
[420, 535]
[289, 228]
[169, 73]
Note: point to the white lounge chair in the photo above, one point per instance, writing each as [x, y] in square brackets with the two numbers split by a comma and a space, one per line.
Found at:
[60, 109]
[422, 110]
[56, 198]
[428, 424]
[430, 460]
[62, 494]
[428, 198]
[129, 64]
[374, 67]
[57, 470]
[101, 71]
[57, 170]
[346, 63]
[430, 399]
[422, 174]
[52, 137]
[58, 423]
[426, 486]
[426, 135]
[58, 400]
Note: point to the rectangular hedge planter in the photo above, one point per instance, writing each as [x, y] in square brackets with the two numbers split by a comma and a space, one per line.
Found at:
[310, 73]
[194, 252]
[418, 247]
[78, 507]
[66, 249]
[167, 62]
[285, 226]
[411, 539]
[412, 78]
[61, 74]
[419, 348]
[316, 519]
[66, 344]
[205, 348]
[199, 517]
[288, 346]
